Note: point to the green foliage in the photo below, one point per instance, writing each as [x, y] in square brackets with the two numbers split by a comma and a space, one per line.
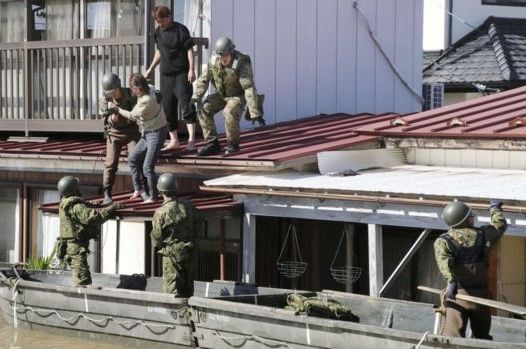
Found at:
[40, 263]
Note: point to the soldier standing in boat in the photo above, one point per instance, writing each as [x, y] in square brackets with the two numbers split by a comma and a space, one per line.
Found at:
[80, 222]
[173, 231]
[462, 256]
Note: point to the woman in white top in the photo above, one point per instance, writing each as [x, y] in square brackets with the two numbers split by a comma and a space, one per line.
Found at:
[150, 117]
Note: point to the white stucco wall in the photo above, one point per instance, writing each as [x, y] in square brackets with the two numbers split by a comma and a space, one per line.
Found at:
[317, 56]
[467, 15]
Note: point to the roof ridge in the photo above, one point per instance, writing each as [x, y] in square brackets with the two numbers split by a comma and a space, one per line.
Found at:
[502, 54]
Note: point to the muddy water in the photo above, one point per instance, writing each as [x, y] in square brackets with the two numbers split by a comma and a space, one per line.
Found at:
[26, 338]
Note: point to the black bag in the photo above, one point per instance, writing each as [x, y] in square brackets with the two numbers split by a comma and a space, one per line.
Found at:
[133, 282]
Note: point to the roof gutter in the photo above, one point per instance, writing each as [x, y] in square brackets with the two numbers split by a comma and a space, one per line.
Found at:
[352, 197]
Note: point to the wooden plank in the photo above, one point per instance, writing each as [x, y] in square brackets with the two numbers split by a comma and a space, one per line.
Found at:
[515, 309]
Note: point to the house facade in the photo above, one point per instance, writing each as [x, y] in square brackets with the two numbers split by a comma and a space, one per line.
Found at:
[348, 64]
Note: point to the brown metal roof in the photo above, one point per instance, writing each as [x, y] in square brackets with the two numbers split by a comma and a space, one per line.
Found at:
[215, 204]
[295, 143]
[498, 116]
[266, 148]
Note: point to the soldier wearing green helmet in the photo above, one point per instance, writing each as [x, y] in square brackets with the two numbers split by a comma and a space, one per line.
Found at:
[80, 222]
[174, 226]
[120, 131]
[462, 256]
[230, 73]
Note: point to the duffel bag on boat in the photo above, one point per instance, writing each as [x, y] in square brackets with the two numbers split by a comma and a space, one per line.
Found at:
[315, 306]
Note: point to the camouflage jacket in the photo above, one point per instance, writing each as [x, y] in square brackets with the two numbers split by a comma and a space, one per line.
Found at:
[175, 221]
[127, 102]
[467, 237]
[79, 219]
[234, 80]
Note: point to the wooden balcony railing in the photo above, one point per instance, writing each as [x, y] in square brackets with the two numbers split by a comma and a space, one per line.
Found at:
[50, 86]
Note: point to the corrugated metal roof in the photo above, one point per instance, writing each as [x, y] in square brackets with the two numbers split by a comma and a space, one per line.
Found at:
[284, 145]
[218, 204]
[498, 116]
[421, 182]
[267, 148]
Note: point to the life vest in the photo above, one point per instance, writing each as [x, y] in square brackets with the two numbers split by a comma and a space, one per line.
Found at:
[470, 268]
[69, 228]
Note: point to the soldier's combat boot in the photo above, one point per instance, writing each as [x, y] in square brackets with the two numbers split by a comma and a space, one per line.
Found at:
[211, 148]
[107, 197]
[232, 148]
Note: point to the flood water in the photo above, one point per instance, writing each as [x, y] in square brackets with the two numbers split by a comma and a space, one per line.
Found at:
[25, 338]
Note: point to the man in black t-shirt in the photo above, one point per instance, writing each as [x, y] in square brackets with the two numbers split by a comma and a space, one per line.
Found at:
[174, 52]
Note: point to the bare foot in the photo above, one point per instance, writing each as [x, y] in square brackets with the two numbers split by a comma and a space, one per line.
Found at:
[170, 146]
[136, 194]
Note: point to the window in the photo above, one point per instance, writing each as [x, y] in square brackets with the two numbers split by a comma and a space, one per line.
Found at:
[504, 2]
[115, 18]
[46, 226]
[10, 223]
[11, 15]
[62, 19]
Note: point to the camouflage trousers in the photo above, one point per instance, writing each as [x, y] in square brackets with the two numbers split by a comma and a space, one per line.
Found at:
[114, 145]
[232, 107]
[178, 277]
[77, 259]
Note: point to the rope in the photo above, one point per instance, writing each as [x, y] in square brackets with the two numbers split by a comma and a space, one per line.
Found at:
[266, 342]
[199, 17]
[103, 322]
[384, 54]
[422, 340]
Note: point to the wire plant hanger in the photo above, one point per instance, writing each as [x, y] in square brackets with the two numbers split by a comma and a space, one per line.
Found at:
[296, 267]
[344, 274]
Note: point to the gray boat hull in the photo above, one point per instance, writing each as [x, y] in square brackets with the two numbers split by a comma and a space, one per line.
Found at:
[259, 322]
[225, 315]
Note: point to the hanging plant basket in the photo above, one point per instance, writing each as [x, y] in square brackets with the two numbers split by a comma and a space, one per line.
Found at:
[296, 267]
[344, 274]
[291, 269]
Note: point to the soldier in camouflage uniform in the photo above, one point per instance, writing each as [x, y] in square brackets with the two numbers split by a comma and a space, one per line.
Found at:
[230, 72]
[174, 226]
[119, 130]
[79, 223]
[462, 256]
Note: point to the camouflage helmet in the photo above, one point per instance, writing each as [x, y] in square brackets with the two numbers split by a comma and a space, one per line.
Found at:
[68, 186]
[455, 213]
[167, 182]
[110, 82]
[223, 46]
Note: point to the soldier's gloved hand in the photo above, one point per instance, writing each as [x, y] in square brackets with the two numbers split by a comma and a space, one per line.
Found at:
[451, 291]
[495, 204]
[116, 207]
[194, 103]
[258, 122]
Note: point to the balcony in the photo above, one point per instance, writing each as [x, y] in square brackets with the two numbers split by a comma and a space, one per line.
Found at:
[55, 86]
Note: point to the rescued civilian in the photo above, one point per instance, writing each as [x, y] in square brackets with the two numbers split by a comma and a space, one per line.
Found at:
[149, 115]
[174, 52]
